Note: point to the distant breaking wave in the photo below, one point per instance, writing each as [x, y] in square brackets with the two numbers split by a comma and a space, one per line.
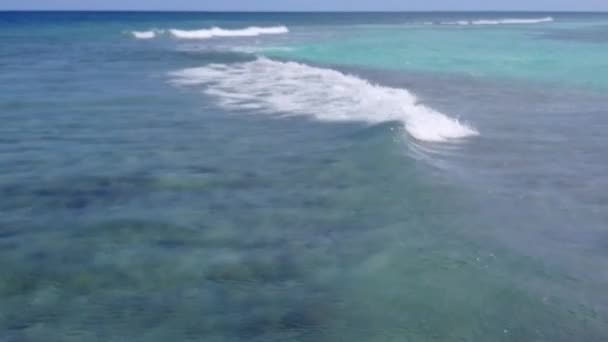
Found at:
[288, 88]
[507, 21]
[145, 34]
[214, 32]
[220, 32]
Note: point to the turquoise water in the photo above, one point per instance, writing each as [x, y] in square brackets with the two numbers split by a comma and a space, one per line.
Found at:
[528, 53]
[303, 177]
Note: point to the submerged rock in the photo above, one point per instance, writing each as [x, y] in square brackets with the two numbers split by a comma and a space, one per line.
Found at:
[232, 271]
[309, 316]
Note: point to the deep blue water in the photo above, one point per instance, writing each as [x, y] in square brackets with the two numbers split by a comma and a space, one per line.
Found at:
[346, 177]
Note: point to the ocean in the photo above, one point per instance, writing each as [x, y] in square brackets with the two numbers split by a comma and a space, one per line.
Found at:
[303, 176]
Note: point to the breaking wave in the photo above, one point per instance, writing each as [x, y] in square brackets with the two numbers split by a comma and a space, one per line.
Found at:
[288, 88]
[220, 32]
[507, 21]
[144, 34]
[214, 32]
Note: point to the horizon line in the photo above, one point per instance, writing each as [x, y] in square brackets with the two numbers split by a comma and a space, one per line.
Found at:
[307, 11]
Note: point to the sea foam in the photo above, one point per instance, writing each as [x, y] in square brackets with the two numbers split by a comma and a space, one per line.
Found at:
[288, 88]
[506, 21]
[220, 32]
[144, 34]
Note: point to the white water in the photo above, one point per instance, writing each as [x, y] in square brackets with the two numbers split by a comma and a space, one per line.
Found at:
[220, 32]
[296, 89]
[512, 21]
[507, 21]
[144, 34]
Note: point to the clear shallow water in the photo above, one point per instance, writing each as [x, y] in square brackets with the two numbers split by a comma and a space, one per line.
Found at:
[401, 181]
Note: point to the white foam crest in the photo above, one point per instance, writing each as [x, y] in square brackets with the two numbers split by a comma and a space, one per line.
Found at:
[258, 49]
[296, 89]
[506, 21]
[220, 32]
[144, 34]
[513, 21]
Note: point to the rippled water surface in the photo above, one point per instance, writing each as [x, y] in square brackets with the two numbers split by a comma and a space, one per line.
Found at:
[303, 177]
